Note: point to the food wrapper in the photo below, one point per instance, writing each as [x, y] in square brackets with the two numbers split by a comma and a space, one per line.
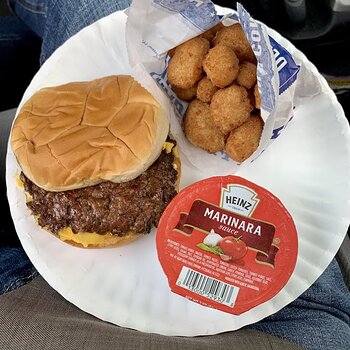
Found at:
[156, 26]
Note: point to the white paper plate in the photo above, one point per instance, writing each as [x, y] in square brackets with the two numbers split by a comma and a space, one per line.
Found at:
[308, 168]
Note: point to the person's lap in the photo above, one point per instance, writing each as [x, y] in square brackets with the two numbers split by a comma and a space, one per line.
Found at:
[57, 20]
[19, 51]
[318, 319]
[37, 317]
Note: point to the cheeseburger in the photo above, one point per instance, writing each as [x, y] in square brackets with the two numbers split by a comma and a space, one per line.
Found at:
[98, 166]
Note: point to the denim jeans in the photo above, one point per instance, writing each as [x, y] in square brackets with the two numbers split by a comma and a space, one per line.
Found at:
[31, 12]
[15, 269]
[55, 21]
[318, 319]
[19, 52]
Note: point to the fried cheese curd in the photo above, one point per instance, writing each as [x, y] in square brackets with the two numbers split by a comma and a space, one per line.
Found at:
[257, 97]
[186, 66]
[234, 37]
[186, 94]
[216, 73]
[199, 128]
[171, 52]
[230, 107]
[244, 140]
[221, 65]
[247, 75]
[206, 90]
[210, 33]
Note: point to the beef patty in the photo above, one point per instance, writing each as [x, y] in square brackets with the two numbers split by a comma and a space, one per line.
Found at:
[108, 207]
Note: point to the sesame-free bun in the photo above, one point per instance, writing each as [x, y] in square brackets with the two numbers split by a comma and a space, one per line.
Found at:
[83, 133]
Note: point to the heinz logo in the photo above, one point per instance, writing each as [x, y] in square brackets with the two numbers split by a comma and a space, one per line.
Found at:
[239, 199]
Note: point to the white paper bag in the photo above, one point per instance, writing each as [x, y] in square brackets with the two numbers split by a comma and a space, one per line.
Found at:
[155, 26]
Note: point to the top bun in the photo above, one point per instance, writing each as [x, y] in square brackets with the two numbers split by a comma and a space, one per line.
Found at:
[83, 133]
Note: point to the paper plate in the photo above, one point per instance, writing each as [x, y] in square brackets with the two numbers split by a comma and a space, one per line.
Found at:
[307, 168]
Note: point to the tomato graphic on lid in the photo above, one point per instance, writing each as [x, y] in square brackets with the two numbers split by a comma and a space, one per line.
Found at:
[232, 247]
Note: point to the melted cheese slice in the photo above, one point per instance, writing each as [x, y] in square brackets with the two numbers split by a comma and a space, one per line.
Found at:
[19, 183]
[168, 147]
[83, 238]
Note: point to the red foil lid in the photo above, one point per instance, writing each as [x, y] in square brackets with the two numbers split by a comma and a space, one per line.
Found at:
[227, 243]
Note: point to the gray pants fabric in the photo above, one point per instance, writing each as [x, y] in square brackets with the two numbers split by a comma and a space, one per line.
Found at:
[35, 316]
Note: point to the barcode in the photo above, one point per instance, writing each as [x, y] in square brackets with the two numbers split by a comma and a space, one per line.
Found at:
[207, 286]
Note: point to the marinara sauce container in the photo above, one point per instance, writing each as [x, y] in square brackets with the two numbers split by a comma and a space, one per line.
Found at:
[227, 243]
